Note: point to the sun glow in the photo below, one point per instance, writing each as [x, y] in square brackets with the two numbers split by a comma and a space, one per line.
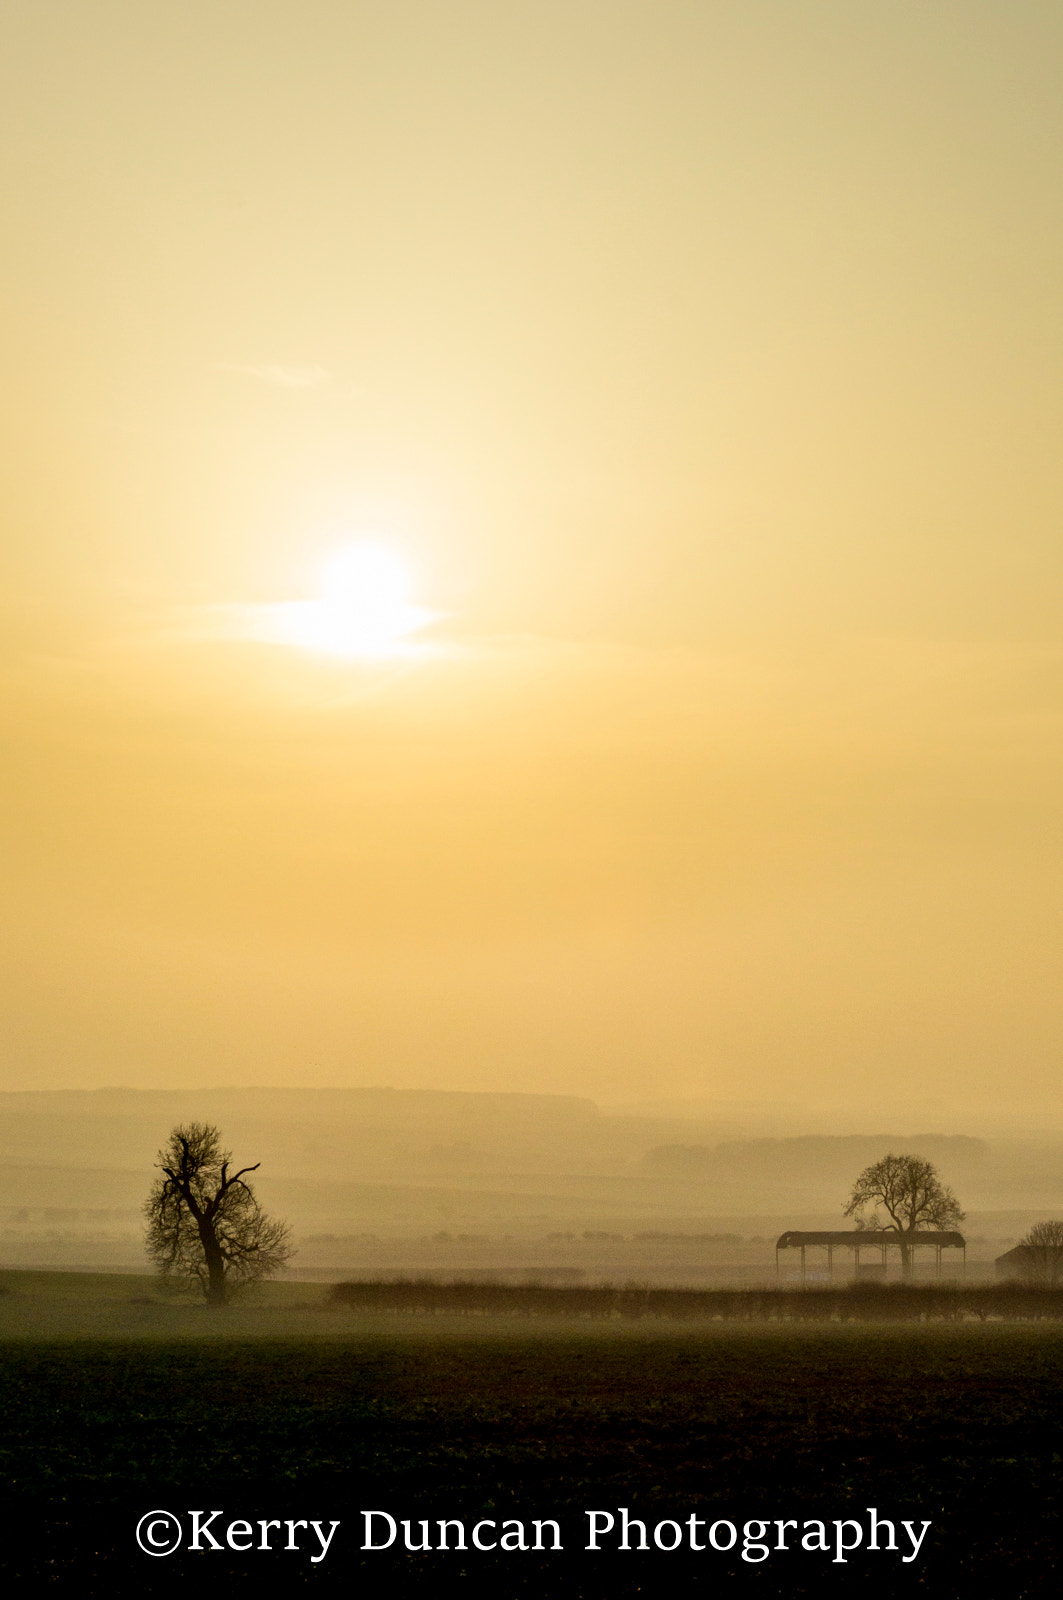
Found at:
[364, 608]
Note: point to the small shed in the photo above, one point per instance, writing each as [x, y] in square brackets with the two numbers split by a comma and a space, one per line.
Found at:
[1017, 1262]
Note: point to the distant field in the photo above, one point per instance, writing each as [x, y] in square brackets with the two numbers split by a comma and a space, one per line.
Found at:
[110, 1305]
[44, 1305]
[286, 1410]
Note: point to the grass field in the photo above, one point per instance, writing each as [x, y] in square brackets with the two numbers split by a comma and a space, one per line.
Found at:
[281, 1409]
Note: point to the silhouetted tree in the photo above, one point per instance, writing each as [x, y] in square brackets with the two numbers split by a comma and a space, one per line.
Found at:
[914, 1198]
[203, 1220]
[1043, 1258]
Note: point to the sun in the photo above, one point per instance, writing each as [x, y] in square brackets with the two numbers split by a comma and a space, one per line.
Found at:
[364, 606]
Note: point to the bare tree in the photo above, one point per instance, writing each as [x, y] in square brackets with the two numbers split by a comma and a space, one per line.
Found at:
[1043, 1253]
[914, 1198]
[203, 1220]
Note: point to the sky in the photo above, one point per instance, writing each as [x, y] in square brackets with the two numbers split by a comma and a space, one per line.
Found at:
[532, 550]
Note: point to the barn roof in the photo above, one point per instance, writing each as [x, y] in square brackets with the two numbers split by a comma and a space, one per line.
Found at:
[1020, 1254]
[793, 1239]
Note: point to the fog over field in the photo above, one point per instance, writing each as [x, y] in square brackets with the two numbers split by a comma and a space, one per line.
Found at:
[381, 1180]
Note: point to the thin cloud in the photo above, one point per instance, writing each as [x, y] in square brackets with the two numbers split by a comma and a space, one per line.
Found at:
[281, 376]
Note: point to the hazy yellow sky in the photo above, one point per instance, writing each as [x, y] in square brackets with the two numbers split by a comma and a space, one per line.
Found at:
[697, 367]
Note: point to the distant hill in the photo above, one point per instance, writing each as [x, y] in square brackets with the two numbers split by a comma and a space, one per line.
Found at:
[817, 1156]
[380, 1159]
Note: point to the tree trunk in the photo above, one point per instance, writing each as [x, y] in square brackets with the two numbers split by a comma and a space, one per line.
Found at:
[906, 1257]
[215, 1264]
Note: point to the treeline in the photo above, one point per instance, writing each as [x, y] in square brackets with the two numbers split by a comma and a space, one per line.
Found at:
[889, 1302]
